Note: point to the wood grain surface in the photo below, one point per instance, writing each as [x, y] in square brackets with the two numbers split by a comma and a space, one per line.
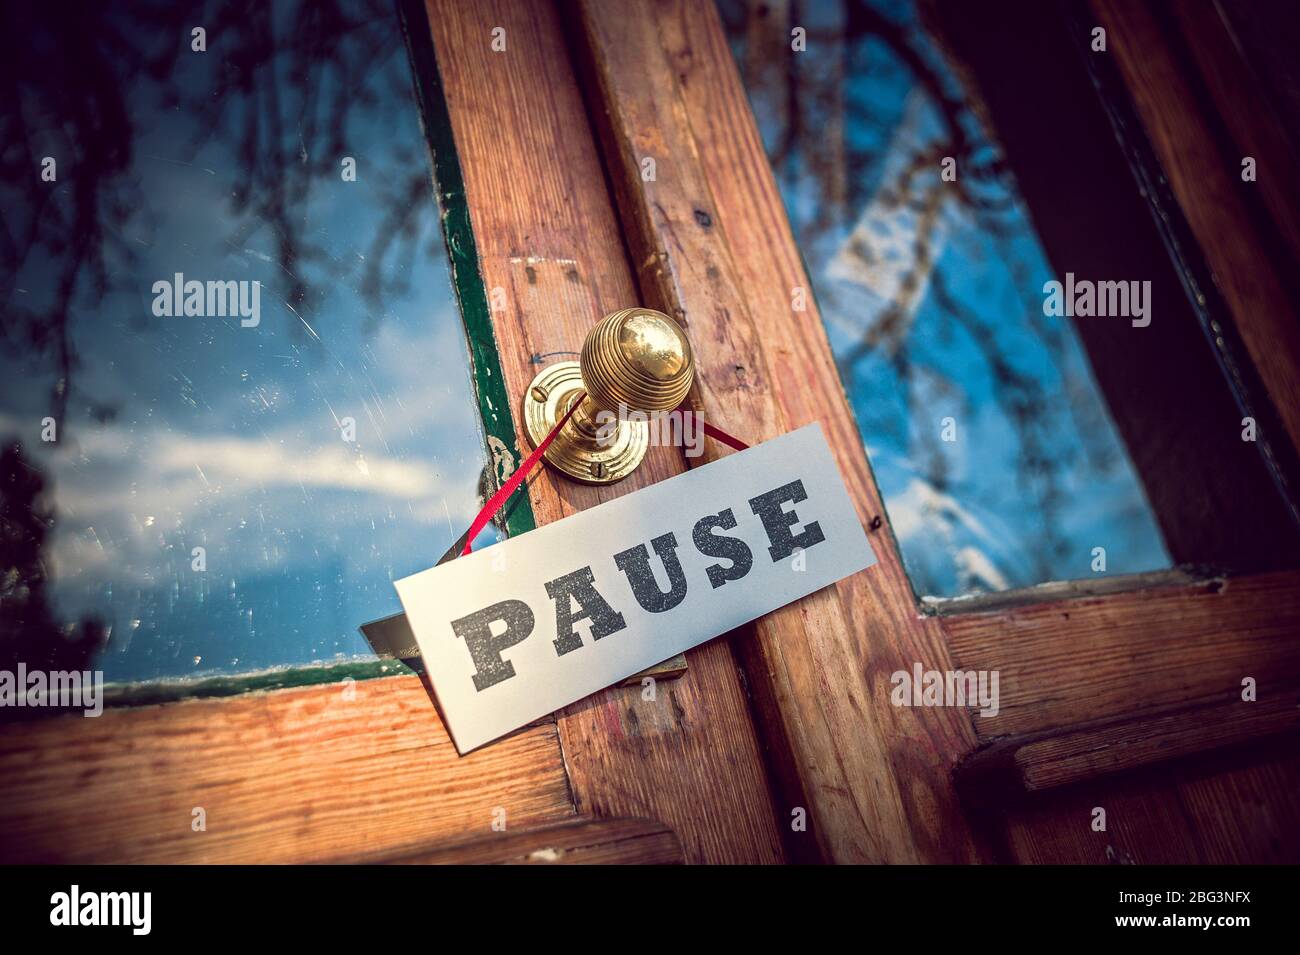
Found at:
[1207, 184]
[296, 775]
[1197, 814]
[1071, 662]
[579, 842]
[1103, 695]
[713, 247]
[1086, 753]
[550, 242]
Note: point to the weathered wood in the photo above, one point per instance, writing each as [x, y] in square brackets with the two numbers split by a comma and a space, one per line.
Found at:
[578, 842]
[1227, 72]
[1054, 590]
[293, 775]
[552, 254]
[1155, 382]
[1068, 662]
[1206, 184]
[1164, 387]
[1083, 754]
[1028, 765]
[713, 246]
[1226, 815]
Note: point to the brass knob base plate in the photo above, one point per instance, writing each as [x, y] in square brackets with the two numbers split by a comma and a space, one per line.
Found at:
[575, 453]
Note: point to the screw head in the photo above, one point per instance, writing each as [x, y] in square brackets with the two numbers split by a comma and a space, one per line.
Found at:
[539, 393]
[598, 469]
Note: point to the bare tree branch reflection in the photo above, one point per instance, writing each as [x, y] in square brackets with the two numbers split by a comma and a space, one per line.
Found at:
[28, 628]
[291, 79]
[829, 131]
[283, 92]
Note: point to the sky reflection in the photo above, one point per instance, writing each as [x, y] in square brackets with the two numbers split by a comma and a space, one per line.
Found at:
[184, 432]
[931, 296]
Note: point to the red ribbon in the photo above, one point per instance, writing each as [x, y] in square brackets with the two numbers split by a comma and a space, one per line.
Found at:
[499, 499]
[717, 434]
[502, 495]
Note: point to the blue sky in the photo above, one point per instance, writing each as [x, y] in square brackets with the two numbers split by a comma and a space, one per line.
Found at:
[230, 438]
[1037, 476]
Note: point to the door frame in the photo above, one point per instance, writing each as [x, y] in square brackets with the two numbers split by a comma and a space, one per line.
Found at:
[789, 715]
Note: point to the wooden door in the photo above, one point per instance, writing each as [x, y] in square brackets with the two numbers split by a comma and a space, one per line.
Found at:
[592, 155]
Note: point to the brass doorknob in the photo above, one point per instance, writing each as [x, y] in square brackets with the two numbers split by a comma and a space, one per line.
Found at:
[635, 363]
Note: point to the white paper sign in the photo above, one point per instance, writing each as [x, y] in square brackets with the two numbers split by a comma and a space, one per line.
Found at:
[531, 624]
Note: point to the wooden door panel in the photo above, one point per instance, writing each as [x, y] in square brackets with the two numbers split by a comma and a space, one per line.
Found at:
[1093, 686]
[574, 842]
[1067, 662]
[296, 775]
[1128, 700]
[1207, 185]
[548, 237]
[714, 248]
[1038, 762]
[1233, 811]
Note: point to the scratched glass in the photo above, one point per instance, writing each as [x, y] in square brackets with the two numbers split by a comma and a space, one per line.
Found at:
[221, 497]
[928, 303]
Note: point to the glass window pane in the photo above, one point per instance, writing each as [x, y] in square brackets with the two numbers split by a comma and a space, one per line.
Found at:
[998, 460]
[234, 473]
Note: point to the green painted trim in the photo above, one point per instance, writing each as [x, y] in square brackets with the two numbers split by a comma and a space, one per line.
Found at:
[173, 691]
[485, 363]
[149, 694]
